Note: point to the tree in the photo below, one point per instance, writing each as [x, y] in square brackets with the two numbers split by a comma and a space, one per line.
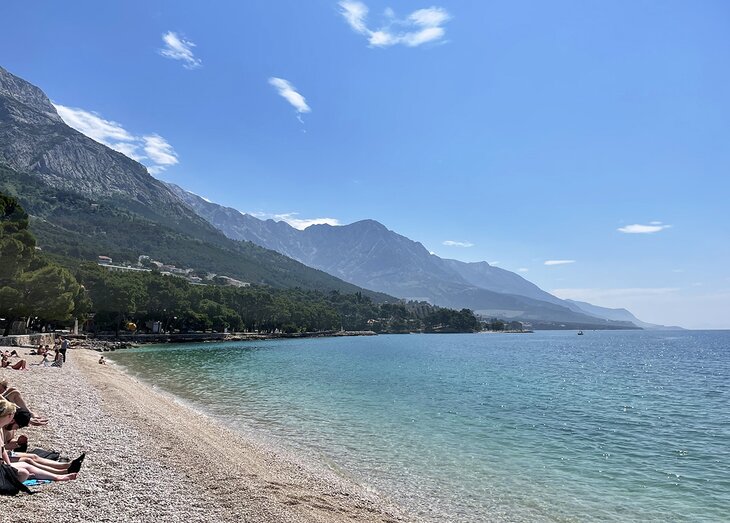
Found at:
[17, 245]
[29, 284]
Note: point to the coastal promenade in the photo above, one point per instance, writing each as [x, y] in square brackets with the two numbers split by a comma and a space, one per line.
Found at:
[150, 458]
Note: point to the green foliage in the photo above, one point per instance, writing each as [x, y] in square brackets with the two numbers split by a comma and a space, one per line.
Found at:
[144, 297]
[284, 300]
[31, 285]
[448, 320]
[74, 227]
[17, 245]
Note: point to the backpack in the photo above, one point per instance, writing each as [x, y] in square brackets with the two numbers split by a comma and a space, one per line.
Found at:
[10, 485]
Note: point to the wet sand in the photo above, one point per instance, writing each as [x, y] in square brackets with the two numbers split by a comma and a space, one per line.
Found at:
[150, 458]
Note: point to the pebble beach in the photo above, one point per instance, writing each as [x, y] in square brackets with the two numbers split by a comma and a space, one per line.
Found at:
[151, 458]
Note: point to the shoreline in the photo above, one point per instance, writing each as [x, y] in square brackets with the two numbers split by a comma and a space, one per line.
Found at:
[152, 458]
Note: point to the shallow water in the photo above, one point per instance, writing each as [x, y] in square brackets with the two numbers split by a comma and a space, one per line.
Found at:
[609, 426]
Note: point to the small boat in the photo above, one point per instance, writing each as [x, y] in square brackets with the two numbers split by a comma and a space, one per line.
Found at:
[580, 333]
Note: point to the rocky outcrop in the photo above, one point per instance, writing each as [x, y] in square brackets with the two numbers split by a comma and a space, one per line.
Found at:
[34, 139]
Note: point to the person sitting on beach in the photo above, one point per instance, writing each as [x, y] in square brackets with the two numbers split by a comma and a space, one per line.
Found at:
[58, 359]
[102, 361]
[21, 419]
[17, 447]
[24, 470]
[19, 365]
[49, 465]
[12, 394]
[45, 361]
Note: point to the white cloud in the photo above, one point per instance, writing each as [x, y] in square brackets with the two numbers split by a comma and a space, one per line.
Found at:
[355, 14]
[291, 219]
[289, 93]
[420, 27]
[452, 243]
[93, 125]
[523, 269]
[129, 149]
[643, 229]
[493, 263]
[152, 150]
[558, 262]
[177, 48]
[159, 151]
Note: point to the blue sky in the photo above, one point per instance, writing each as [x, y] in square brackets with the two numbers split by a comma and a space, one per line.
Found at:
[520, 133]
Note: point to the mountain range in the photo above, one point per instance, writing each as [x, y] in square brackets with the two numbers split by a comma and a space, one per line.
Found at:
[86, 199]
[367, 254]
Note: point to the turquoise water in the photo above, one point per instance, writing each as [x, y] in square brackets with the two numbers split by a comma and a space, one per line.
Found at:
[609, 426]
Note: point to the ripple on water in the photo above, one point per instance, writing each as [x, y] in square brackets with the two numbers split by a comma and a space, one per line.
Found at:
[613, 426]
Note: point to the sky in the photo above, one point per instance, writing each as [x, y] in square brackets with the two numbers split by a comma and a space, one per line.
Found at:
[584, 145]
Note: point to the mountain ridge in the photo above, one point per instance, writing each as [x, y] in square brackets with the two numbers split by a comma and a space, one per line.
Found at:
[367, 253]
[85, 199]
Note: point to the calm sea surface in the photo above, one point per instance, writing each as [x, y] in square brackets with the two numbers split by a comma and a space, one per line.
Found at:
[609, 426]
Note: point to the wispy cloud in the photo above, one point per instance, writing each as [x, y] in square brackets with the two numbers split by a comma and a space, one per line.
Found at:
[493, 263]
[290, 94]
[452, 243]
[644, 229]
[152, 149]
[558, 262]
[159, 150]
[419, 27]
[291, 219]
[287, 91]
[177, 48]
[523, 269]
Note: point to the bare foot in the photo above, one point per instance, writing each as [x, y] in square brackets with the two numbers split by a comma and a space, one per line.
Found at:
[67, 477]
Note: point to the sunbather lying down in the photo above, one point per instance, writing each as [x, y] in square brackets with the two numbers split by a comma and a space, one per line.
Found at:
[13, 395]
[25, 469]
[18, 365]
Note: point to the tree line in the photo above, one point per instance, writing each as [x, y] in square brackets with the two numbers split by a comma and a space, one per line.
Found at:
[34, 288]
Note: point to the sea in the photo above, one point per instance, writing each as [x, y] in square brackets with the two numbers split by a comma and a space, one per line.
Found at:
[615, 426]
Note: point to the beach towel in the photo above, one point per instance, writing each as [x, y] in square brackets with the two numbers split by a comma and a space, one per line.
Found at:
[35, 482]
[10, 485]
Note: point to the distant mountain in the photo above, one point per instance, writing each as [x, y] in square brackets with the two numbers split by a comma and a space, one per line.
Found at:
[367, 254]
[86, 199]
[616, 314]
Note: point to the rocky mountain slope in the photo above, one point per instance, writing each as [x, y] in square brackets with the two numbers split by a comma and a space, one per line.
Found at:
[87, 200]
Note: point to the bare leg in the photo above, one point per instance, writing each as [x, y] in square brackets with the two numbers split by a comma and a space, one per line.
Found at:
[37, 473]
[45, 464]
[22, 474]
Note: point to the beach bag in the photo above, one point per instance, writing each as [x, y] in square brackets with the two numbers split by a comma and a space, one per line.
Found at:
[10, 485]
